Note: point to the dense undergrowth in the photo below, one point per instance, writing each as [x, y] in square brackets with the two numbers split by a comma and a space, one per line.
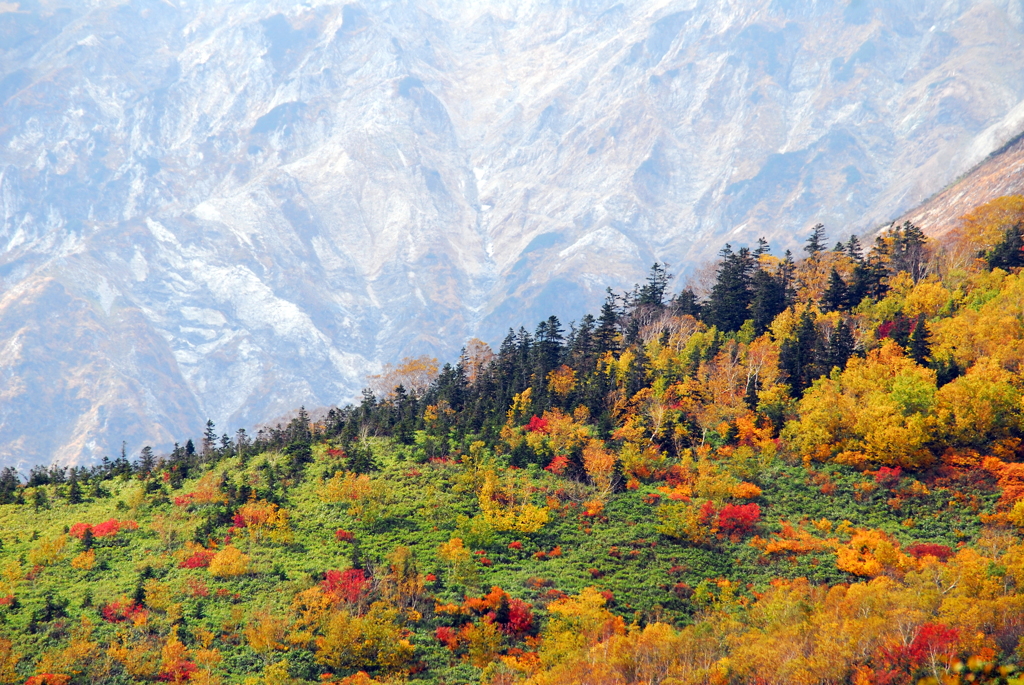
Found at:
[810, 474]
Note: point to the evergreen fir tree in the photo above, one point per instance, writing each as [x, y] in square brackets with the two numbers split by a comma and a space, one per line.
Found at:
[9, 482]
[797, 355]
[209, 442]
[853, 250]
[652, 294]
[686, 304]
[836, 297]
[1009, 253]
[728, 306]
[39, 499]
[918, 345]
[816, 242]
[607, 333]
[147, 461]
[768, 299]
[74, 495]
[839, 348]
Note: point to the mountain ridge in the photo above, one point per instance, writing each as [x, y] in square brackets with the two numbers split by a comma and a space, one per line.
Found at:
[289, 196]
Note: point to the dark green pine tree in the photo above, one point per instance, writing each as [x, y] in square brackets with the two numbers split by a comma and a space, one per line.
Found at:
[9, 482]
[209, 442]
[607, 334]
[652, 294]
[39, 499]
[797, 356]
[687, 304]
[918, 344]
[147, 461]
[1009, 253]
[74, 495]
[729, 304]
[853, 250]
[816, 242]
[839, 348]
[908, 251]
[768, 299]
[836, 297]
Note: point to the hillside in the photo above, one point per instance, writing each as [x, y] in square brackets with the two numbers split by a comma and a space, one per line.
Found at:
[228, 209]
[1002, 173]
[812, 477]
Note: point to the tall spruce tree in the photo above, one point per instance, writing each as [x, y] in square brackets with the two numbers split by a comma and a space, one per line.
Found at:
[836, 297]
[816, 242]
[729, 304]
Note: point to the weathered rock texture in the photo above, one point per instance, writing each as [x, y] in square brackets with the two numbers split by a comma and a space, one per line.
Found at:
[225, 208]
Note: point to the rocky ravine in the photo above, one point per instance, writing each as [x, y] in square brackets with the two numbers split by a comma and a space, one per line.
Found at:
[226, 209]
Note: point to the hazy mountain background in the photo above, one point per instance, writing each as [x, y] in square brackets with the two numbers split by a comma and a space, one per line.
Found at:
[228, 209]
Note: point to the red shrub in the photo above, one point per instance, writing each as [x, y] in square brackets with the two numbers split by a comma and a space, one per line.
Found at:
[200, 559]
[739, 518]
[78, 530]
[541, 555]
[518, 620]
[332, 452]
[932, 639]
[6, 600]
[184, 500]
[652, 498]
[608, 595]
[558, 465]
[595, 572]
[537, 425]
[344, 536]
[516, 545]
[707, 514]
[888, 477]
[556, 552]
[197, 588]
[447, 636]
[49, 679]
[119, 611]
[430, 577]
[929, 549]
[106, 529]
[178, 672]
[348, 585]
[238, 521]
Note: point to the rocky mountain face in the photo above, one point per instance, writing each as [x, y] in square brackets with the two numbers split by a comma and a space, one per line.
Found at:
[228, 208]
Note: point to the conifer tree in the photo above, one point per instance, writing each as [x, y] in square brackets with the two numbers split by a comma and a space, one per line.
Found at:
[836, 297]
[74, 495]
[729, 303]
[1009, 252]
[607, 333]
[816, 242]
[918, 345]
[797, 355]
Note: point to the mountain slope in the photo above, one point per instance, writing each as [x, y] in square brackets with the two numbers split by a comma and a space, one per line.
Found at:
[281, 197]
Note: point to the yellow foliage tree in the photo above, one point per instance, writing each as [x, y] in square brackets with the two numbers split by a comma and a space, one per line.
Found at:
[229, 562]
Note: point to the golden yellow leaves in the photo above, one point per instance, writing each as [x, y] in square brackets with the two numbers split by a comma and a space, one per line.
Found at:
[229, 562]
[48, 551]
[265, 521]
[374, 640]
[85, 561]
[506, 505]
[9, 659]
[562, 381]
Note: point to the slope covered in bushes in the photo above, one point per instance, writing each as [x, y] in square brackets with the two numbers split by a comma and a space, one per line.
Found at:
[810, 473]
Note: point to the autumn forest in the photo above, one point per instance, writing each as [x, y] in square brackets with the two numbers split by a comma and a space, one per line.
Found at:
[800, 469]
